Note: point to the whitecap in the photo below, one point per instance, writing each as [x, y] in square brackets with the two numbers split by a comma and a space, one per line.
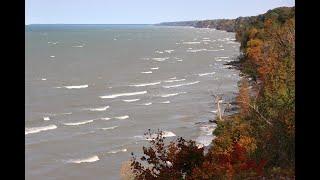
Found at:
[43, 79]
[58, 114]
[67, 113]
[52, 56]
[168, 51]
[168, 134]
[77, 87]
[154, 68]
[122, 117]
[123, 94]
[163, 134]
[117, 151]
[32, 130]
[165, 102]
[222, 57]
[100, 108]
[175, 80]
[52, 42]
[160, 59]
[159, 52]
[85, 160]
[46, 118]
[196, 50]
[191, 42]
[204, 141]
[146, 72]
[80, 46]
[130, 100]
[105, 118]
[147, 104]
[179, 60]
[215, 49]
[109, 128]
[146, 84]
[178, 85]
[206, 74]
[172, 94]
[208, 129]
[173, 77]
[214, 111]
[78, 123]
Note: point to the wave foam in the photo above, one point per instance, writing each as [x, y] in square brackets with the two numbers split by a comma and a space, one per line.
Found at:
[85, 160]
[39, 129]
[105, 118]
[175, 80]
[215, 49]
[154, 68]
[123, 94]
[191, 42]
[146, 72]
[172, 94]
[122, 117]
[163, 134]
[196, 50]
[185, 84]
[165, 102]
[147, 104]
[77, 87]
[160, 59]
[46, 118]
[204, 141]
[169, 51]
[207, 74]
[117, 151]
[100, 108]
[130, 100]
[78, 46]
[208, 129]
[146, 84]
[78, 123]
[109, 128]
[223, 57]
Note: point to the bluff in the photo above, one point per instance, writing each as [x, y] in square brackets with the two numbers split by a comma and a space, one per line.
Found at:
[232, 25]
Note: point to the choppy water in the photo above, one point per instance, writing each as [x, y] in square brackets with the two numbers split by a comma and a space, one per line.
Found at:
[92, 92]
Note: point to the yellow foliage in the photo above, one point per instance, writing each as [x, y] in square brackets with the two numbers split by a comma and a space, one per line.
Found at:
[248, 142]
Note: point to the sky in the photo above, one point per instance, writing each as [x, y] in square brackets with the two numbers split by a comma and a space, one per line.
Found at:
[142, 11]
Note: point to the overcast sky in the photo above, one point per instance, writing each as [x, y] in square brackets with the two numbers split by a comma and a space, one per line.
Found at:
[142, 11]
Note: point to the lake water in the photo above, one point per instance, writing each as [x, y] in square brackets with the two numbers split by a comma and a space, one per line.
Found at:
[92, 91]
